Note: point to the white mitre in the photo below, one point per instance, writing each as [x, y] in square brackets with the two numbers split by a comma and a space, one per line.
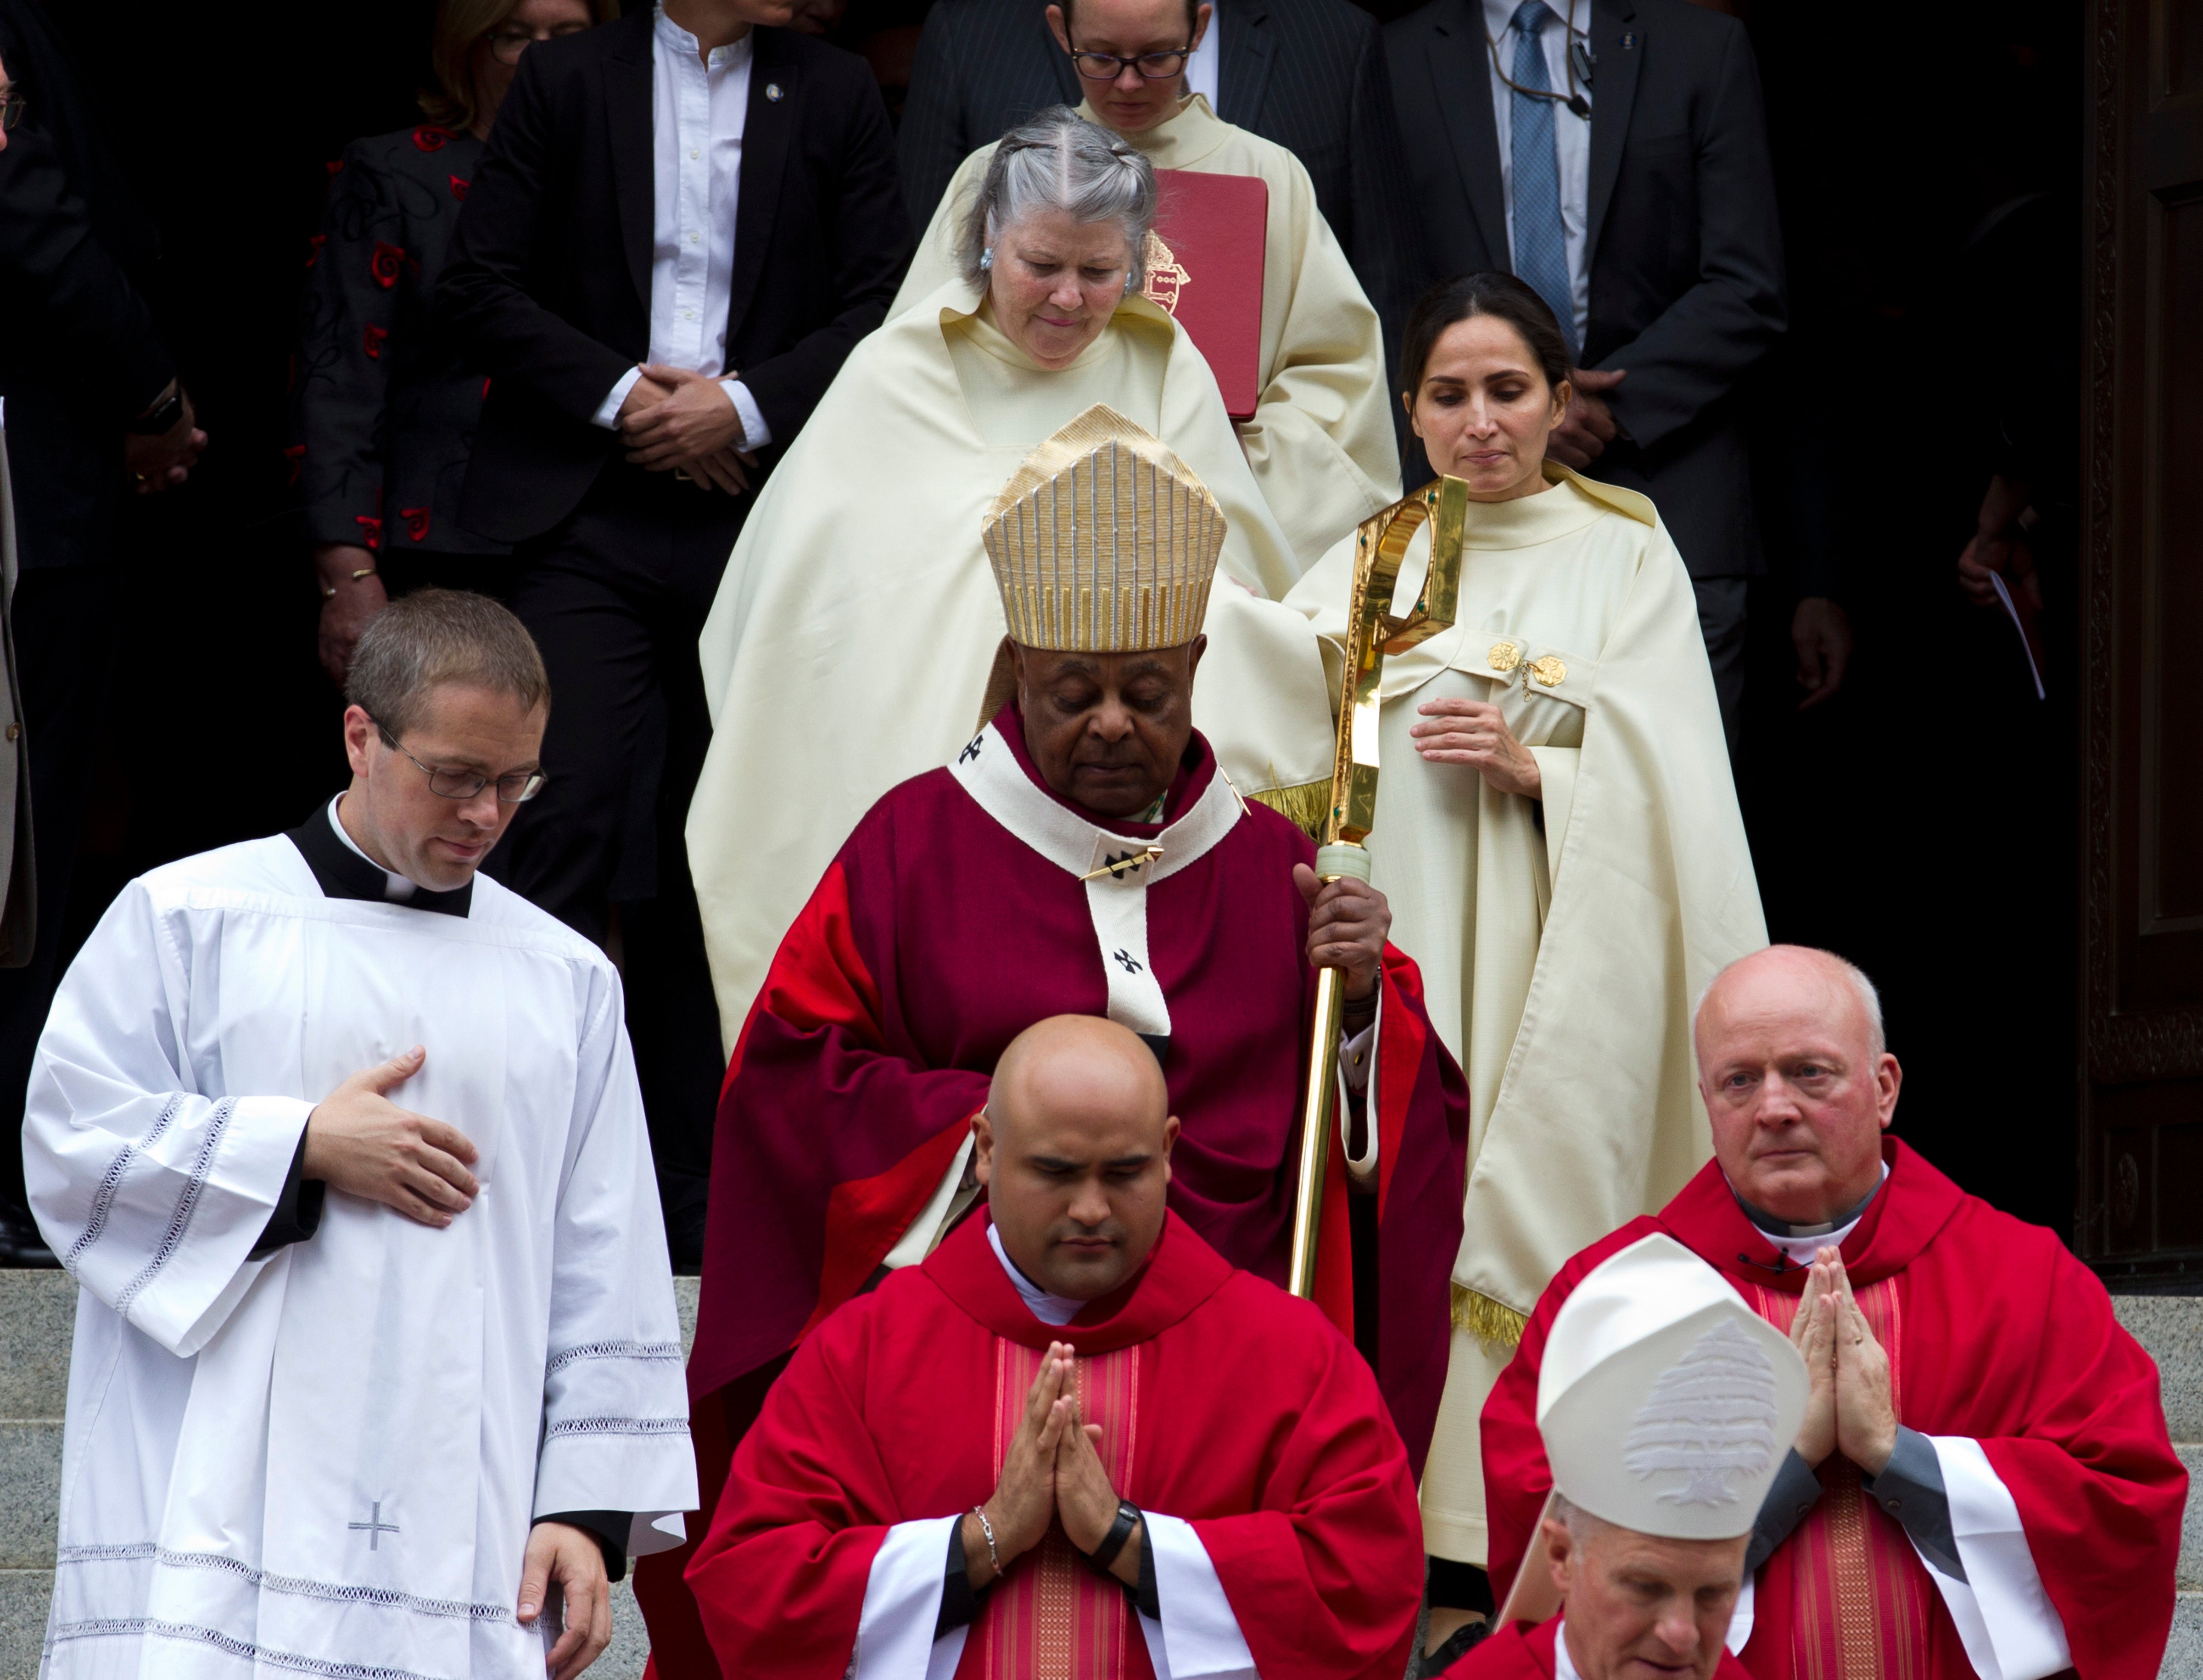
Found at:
[1665, 1402]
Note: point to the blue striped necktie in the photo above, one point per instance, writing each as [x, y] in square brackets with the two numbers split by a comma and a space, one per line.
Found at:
[1541, 247]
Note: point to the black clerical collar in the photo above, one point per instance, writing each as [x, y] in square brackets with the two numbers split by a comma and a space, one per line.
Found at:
[343, 874]
[1782, 1228]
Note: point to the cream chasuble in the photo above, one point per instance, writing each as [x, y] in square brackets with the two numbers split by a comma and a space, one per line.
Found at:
[327, 1460]
[1563, 943]
[851, 642]
[1321, 442]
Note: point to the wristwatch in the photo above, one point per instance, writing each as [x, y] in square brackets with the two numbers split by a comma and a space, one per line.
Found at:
[160, 420]
[1128, 1519]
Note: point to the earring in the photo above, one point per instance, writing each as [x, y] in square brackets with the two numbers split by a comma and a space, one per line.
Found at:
[987, 260]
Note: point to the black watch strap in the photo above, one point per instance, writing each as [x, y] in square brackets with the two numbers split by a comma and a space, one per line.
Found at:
[159, 421]
[1128, 1519]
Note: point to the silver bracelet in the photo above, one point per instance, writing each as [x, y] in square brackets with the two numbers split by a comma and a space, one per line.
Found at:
[994, 1557]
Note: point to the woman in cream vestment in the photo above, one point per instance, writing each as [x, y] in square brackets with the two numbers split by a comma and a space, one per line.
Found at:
[1562, 938]
[850, 645]
[1321, 442]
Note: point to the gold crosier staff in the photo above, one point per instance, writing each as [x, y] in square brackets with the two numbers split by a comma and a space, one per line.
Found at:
[1379, 544]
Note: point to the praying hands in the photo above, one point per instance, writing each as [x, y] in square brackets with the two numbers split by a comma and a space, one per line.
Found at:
[1848, 1409]
[1052, 1470]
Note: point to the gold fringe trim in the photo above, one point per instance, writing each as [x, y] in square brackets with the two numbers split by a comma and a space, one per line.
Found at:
[1485, 1318]
[1306, 805]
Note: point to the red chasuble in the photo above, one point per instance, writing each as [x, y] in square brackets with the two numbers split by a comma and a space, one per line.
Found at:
[1525, 1652]
[1993, 1331]
[936, 936]
[1224, 1402]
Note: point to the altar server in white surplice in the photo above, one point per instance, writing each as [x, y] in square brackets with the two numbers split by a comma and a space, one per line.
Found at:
[355, 1383]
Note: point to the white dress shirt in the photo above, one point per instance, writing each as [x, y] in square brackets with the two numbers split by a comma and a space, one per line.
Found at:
[697, 112]
[1571, 134]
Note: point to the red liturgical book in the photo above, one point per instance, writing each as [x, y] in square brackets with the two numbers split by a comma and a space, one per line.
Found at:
[1205, 266]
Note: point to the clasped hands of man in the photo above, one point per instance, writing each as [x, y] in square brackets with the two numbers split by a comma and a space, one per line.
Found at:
[672, 418]
[1848, 1409]
[1052, 1471]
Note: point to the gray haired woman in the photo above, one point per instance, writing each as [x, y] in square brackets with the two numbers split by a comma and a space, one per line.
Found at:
[858, 623]
[1057, 233]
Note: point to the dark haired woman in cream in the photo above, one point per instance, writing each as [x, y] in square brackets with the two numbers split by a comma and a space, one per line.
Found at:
[1558, 834]
[384, 411]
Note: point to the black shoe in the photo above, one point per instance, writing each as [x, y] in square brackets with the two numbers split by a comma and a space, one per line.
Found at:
[1458, 1645]
[20, 1244]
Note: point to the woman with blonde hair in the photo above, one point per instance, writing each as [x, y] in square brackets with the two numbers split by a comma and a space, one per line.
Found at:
[384, 408]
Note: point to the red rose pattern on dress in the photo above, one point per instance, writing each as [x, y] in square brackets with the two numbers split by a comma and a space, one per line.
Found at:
[429, 138]
[294, 454]
[314, 248]
[458, 188]
[373, 338]
[417, 523]
[371, 530]
[387, 263]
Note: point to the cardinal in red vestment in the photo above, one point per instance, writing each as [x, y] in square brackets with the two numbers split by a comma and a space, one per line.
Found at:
[1073, 1441]
[1663, 1404]
[1982, 1484]
[1083, 854]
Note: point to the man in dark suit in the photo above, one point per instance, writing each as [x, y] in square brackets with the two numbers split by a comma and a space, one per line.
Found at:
[1309, 74]
[92, 408]
[683, 222]
[1613, 154]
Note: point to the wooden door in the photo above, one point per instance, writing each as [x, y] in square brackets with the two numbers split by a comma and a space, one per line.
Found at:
[2140, 1217]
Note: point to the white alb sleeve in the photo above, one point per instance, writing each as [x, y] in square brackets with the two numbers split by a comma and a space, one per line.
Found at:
[151, 1190]
[2011, 1629]
[1198, 1638]
[1357, 1076]
[902, 1606]
[614, 1391]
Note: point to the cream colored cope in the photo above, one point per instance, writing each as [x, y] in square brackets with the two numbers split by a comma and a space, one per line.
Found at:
[1562, 942]
[1321, 443]
[853, 634]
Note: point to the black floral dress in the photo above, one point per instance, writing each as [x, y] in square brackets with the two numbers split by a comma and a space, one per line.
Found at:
[383, 406]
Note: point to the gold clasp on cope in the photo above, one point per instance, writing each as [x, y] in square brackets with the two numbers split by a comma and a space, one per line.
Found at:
[1117, 868]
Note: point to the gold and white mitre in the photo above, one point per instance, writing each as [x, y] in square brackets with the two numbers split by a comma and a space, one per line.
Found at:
[1103, 541]
[1666, 1403]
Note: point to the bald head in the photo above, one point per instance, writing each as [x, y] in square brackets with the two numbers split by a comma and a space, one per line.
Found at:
[1798, 1086]
[1073, 1147]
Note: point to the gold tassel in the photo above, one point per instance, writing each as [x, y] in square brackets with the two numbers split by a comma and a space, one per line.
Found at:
[1485, 1318]
[1306, 805]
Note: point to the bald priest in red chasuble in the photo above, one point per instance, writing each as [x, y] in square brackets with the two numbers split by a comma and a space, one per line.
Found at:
[1073, 1441]
[1983, 1484]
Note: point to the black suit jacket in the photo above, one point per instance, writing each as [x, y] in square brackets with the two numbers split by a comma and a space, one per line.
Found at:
[1685, 246]
[1309, 74]
[79, 357]
[548, 289]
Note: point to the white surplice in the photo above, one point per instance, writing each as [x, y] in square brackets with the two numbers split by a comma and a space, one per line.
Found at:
[326, 1461]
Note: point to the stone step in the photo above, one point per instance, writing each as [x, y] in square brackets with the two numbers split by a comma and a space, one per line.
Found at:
[37, 1312]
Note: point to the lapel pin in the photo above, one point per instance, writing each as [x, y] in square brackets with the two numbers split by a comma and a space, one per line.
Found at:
[1629, 41]
[772, 91]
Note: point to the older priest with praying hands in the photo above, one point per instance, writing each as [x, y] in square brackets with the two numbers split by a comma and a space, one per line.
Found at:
[1075, 1441]
[1981, 1483]
[376, 1356]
